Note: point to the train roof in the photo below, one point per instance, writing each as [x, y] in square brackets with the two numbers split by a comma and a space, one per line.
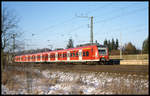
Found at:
[90, 44]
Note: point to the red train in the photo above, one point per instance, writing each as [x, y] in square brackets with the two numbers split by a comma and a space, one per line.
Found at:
[95, 52]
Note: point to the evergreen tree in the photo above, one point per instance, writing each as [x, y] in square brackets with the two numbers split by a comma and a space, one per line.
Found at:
[145, 47]
[105, 42]
[117, 44]
[70, 44]
[113, 44]
[109, 45]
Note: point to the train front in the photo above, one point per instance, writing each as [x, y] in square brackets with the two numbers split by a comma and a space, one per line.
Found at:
[103, 53]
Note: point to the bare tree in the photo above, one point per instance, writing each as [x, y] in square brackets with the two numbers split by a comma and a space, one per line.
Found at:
[9, 28]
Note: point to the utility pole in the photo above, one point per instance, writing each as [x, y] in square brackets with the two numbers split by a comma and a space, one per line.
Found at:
[91, 31]
[120, 47]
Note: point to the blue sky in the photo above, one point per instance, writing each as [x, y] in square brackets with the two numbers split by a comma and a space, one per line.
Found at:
[53, 23]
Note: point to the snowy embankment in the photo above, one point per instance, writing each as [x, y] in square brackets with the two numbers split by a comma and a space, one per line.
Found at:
[61, 82]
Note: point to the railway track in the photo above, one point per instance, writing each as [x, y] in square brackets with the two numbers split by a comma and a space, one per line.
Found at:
[133, 69]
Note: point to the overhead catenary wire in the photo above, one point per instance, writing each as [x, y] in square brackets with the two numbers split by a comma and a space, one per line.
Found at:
[56, 25]
[114, 10]
[120, 15]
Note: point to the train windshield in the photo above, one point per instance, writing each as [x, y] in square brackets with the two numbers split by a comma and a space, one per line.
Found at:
[102, 51]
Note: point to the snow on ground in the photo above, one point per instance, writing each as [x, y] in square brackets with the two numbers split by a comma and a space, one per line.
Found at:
[61, 82]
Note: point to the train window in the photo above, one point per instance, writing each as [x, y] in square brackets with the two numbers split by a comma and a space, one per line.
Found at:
[52, 56]
[33, 57]
[58, 55]
[73, 54]
[102, 51]
[38, 57]
[64, 55]
[61, 55]
[70, 54]
[76, 54]
[83, 53]
[87, 53]
[46, 56]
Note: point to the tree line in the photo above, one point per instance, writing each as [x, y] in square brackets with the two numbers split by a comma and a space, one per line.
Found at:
[114, 47]
[128, 48]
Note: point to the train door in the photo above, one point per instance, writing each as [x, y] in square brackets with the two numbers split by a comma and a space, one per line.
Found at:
[80, 54]
[38, 58]
[33, 58]
[68, 55]
[29, 58]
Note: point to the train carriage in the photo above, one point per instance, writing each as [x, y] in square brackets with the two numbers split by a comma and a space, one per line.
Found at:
[98, 53]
